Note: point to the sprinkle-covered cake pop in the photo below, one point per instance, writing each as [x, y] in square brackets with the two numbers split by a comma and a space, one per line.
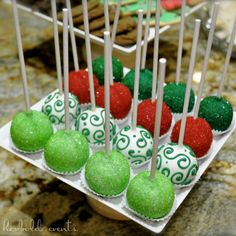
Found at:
[146, 116]
[151, 198]
[136, 145]
[174, 94]
[198, 135]
[30, 130]
[92, 125]
[120, 100]
[98, 69]
[217, 111]
[66, 151]
[145, 83]
[107, 175]
[178, 163]
[54, 108]
[79, 85]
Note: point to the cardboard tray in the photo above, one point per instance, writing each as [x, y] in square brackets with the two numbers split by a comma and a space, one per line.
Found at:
[116, 204]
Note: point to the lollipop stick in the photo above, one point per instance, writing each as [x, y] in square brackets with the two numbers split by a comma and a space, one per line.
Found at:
[189, 82]
[21, 55]
[227, 59]
[89, 56]
[56, 43]
[180, 46]
[137, 69]
[65, 68]
[158, 116]
[107, 89]
[144, 52]
[115, 23]
[207, 55]
[72, 37]
[156, 49]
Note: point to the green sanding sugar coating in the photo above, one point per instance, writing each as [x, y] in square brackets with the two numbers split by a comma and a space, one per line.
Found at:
[151, 198]
[174, 95]
[217, 111]
[107, 175]
[30, 130]
[145, 83]
[98, 69]
[66, 151]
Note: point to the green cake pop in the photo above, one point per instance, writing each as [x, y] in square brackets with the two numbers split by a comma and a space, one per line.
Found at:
[107, 175]
[217, 111]
[145, 83]
[174, 94]
[150, 198]
[30, 130]
[66, 151]
[98, 69]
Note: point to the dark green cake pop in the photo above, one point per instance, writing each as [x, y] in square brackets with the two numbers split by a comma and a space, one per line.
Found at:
[145, 83]
[66, 151]
[30, 130]
[217, 111]
[174, 95]
[151, 198]
[107, 175]
[98, 69]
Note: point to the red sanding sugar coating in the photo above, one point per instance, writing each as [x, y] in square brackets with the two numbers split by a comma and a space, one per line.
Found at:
[79, 85]
[120, 100]
[146, 116]
[198, 135]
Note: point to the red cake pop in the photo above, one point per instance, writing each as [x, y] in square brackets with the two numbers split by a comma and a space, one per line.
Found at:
[198, 135]
[79, 85]
[120, 100]
[146, 116]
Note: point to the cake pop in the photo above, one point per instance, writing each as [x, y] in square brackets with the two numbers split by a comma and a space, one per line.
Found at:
[135, 142]
[145, 83]
[216, 109]
[53, 105]
[30, 129]
[150, 194]
[67, 150]
[91, 122]
[178, 161]
[107, 172]
[98, 69]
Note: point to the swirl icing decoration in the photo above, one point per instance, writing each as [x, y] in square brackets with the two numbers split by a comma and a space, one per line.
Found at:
[92, 125]
[53, 107]
[135, 145]
[177, 163]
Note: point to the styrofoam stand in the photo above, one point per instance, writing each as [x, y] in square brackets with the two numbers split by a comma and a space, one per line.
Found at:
[116, 203]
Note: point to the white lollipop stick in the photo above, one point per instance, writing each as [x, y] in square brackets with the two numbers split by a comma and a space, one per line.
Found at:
[144, 52]
[56, 43]
[158, 116]
[181, 37]
[156, 49]
[207, 55]
[66, 67]
[89, 57]
[106, 15]
[115, 23]
[21, 55]
[189, 82]
[72, 37]
[137, 69]
[107, 54]
[227, 59]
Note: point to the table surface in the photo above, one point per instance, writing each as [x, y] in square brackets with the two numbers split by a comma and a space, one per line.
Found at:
[28, 194]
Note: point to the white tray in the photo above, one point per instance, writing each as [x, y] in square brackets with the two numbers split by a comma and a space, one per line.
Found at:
[75, 181]
[99, 41]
